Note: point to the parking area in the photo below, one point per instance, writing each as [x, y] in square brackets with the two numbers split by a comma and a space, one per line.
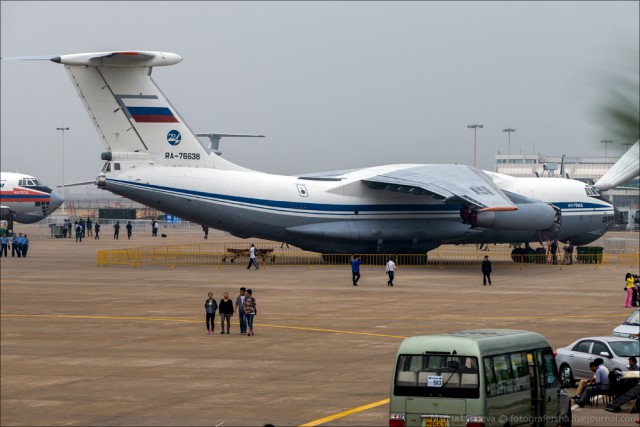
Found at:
[88, 345]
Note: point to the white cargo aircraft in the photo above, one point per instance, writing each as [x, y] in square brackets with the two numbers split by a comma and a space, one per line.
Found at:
[28, 198]
[154, 158]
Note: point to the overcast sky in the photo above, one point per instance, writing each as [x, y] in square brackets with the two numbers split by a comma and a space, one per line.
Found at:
[333, 85]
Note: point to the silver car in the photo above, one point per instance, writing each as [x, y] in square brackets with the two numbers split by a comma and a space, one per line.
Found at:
[573, 360]
[630, 328]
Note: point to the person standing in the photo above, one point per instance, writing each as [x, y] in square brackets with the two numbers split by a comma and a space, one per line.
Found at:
[210, 307]
[89, 227]
[250, 310]
[154, 228]
[240, 309]
[5, 245]
[252, 257]
[116, 230]
[78, 231]
[486, 271]
[97, 227]
[630, 288]
[554, 252]
[568, 253]
[70, 228]
[226, 311]
[129, 228]
[14, 246]
[391, 266]
[83, 227]
[65, 228]
[25, 246]
[355, 270]
[206, 231]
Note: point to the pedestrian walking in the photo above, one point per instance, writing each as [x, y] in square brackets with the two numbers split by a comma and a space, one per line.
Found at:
[242, 318]
[391, 266]
[486, 271]
[210, 308]
[129, 228]
[89, 227]
[116, 230]
[97, 227]
[154, 228]
[226, 311]
[65, 228]
[250, 310]
[206, 231]
[355, 270]
[252, 257]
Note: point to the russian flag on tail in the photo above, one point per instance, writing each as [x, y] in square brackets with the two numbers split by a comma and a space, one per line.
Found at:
[152, 115]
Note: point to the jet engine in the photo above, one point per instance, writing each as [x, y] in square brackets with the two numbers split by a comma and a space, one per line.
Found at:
[529, 216]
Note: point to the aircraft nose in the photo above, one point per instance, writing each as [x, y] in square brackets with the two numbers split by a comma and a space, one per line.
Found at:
[56, 201]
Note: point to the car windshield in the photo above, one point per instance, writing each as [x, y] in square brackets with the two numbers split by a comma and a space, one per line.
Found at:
[625, 348]
[634, 319]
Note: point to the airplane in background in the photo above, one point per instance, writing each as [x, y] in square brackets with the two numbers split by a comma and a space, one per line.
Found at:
[26, 197]
[154, 158]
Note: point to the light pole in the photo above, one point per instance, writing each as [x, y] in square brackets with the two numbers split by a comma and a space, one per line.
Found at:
[605, 142]
[509, 130]
[62, 129]
[475, 129]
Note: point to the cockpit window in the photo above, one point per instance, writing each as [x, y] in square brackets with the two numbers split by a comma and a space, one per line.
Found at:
[106, 167]
[591, 191]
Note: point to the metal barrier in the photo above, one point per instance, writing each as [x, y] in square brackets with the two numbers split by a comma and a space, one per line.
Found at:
[271, 254]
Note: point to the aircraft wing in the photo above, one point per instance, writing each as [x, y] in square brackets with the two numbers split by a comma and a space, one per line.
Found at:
[449, 183]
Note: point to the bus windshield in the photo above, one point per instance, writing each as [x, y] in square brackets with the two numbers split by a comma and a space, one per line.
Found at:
[437, 375]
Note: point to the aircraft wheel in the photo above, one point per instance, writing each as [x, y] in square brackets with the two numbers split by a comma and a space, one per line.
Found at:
[517, 255]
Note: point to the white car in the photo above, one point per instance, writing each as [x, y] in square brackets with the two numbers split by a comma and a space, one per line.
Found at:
[573, 360]
[630, 328]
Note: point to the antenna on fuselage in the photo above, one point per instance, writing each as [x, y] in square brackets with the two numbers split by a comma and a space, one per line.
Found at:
[214, 140]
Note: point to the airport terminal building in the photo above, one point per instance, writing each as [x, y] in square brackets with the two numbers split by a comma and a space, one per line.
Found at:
[625, 198]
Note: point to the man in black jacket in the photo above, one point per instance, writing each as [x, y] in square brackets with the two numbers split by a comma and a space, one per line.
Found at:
[486, 271]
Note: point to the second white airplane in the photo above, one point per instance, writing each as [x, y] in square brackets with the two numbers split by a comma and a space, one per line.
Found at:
[154, 158]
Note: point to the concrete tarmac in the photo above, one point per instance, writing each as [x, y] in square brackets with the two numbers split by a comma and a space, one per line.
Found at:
[88, 345]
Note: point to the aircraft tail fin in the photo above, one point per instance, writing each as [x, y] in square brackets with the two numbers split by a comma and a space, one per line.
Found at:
[130, 112]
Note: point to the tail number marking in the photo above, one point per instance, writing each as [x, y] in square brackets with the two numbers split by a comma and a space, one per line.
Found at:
[182, 156]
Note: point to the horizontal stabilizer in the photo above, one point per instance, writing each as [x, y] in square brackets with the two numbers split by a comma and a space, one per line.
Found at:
[120, 59]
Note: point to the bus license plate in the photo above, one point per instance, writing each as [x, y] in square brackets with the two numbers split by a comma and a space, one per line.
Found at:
[434, 422]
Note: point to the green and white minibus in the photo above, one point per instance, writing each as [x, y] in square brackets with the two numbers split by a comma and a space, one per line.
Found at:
[475, 378]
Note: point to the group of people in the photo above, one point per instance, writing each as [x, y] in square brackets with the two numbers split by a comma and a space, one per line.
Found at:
[245, 306]
[116, 230]
[600, 382]
[19, 245]
[355, 270]
[81, 228]
[632, 288]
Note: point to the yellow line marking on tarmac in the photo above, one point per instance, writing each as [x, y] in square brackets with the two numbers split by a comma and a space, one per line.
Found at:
[168, 319]
[345, 413]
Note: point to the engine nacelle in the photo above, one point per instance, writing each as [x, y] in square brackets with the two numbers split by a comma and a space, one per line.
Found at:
[529, 216]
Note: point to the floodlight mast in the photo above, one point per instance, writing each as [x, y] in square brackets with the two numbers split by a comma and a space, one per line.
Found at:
[509, 130]
[475, 129]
